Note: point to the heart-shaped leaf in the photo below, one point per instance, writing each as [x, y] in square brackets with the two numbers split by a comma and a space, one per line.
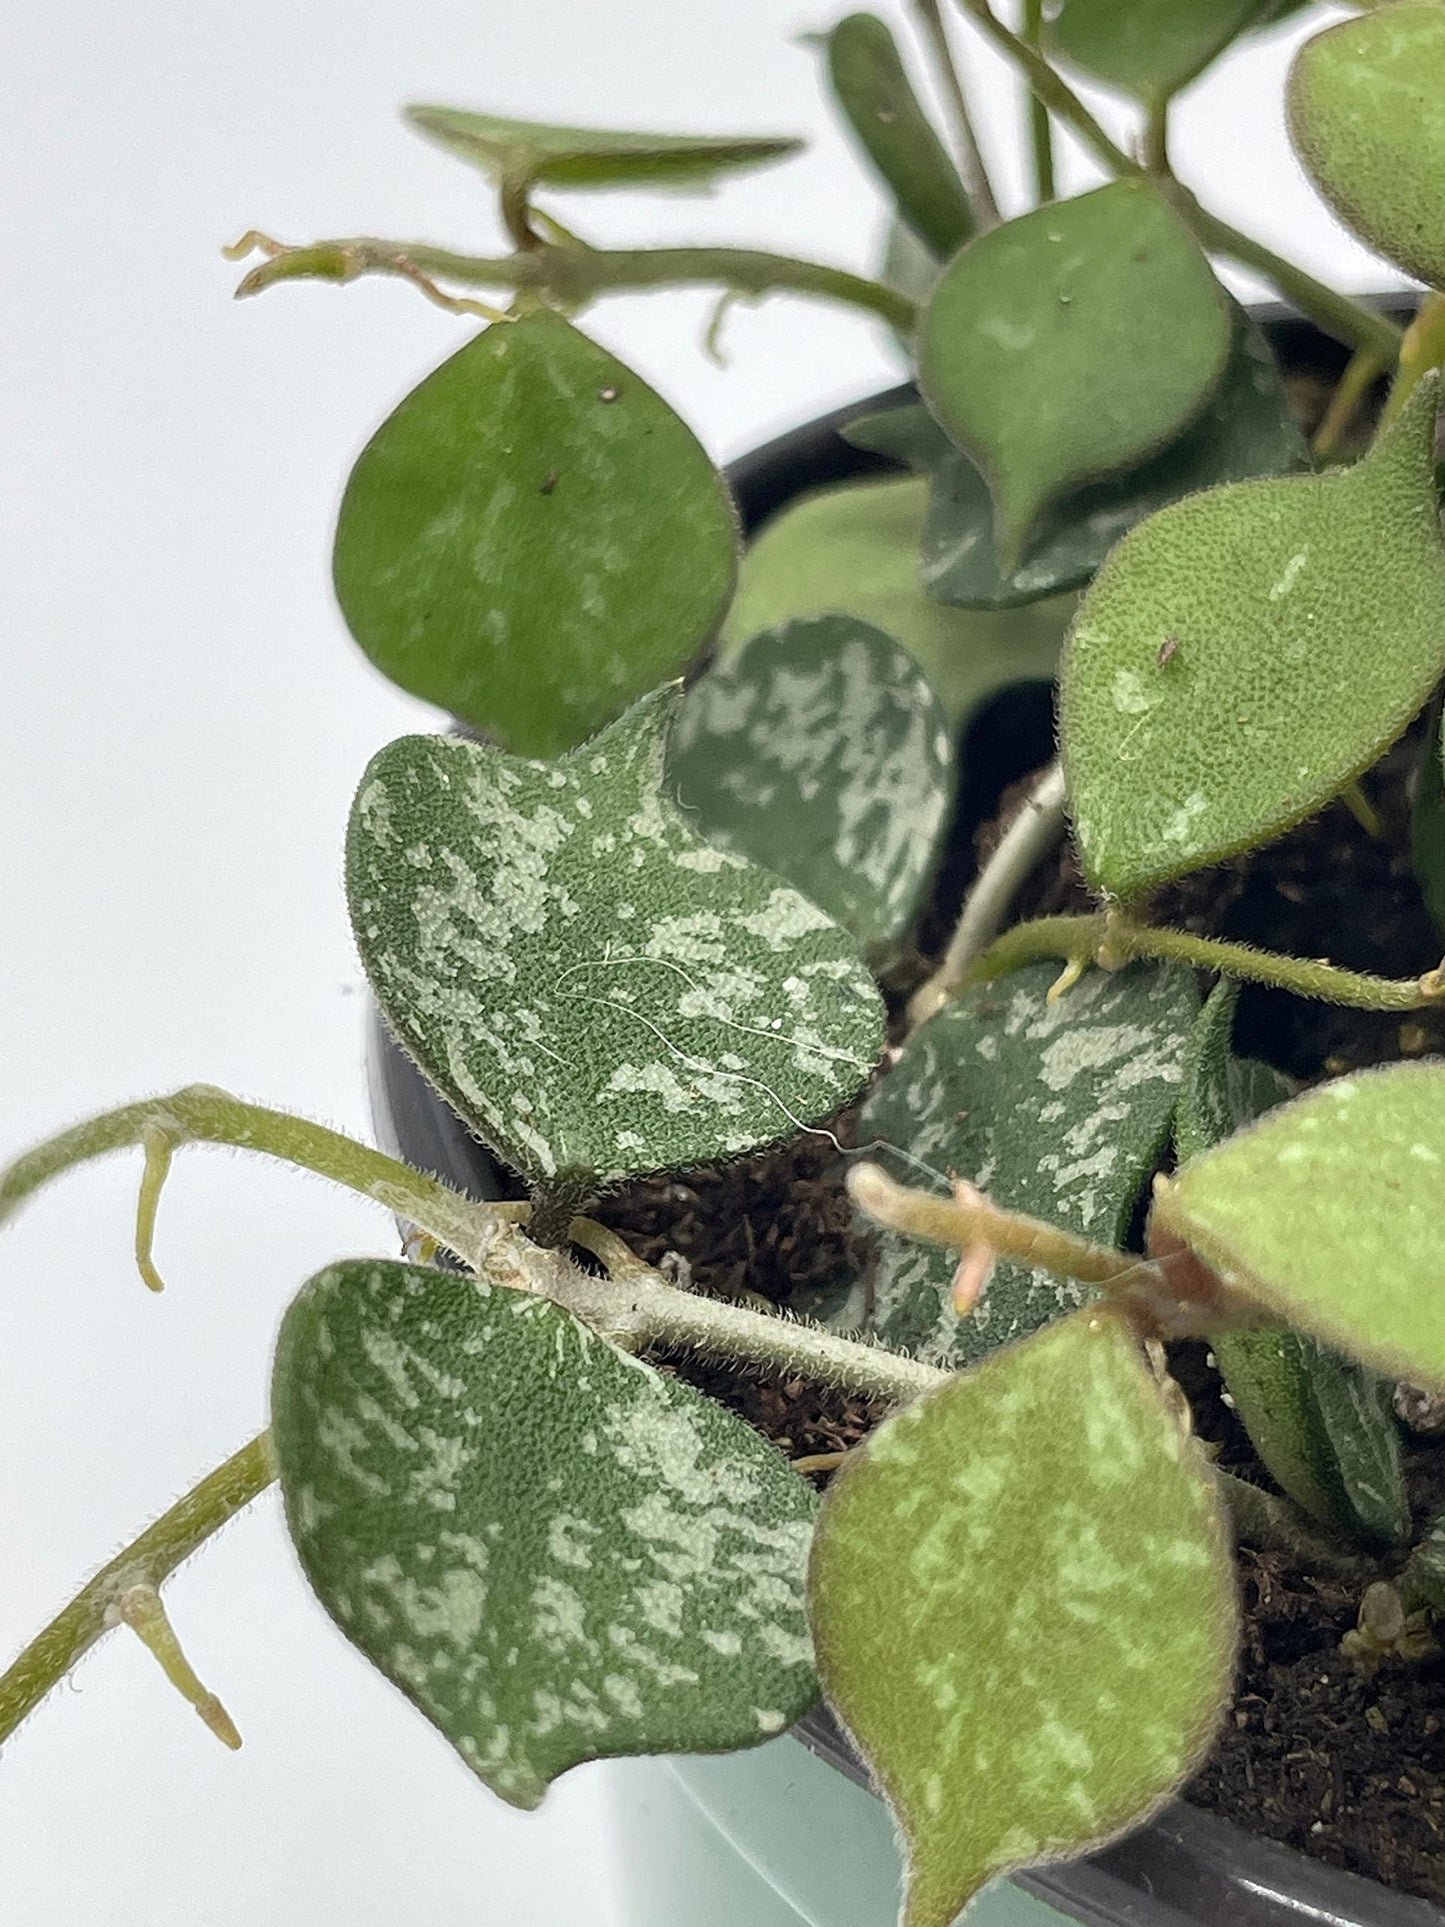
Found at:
[1367, 115]
[497, 550]
[872, 87]
[524, 151]
[1071, 343]
[1149, 50]
[1330, 1213]
[590, 984]
[1243, 655]
[1023, 1603]
[1246, 430]
[819, 751]
[1324, 1428]
[1059, 1110]
[853, 550]
[557, 1553]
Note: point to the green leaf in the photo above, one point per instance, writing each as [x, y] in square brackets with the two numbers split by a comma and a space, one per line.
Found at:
[853, 550]
[1427, 826]
[1330, 1213]
[819, 751]
[1244, 655]
[1070, 343]
[499, 541]
[1023, 1603]
[524, 151]
[1367, 115]
[1246, 430]
[872, 87]
[590, 984]
[1149, 50]
[1059, 1110]
[1324, 1428]
[555, 1552]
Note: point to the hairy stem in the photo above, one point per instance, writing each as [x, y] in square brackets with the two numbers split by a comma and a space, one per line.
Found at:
[1274, 1525]
[1041, 131]
[573, 275]
[1111, 940]
[1337, 314]
[970, 157]
[1023, 846]
[142, 1565]
[202, 1114]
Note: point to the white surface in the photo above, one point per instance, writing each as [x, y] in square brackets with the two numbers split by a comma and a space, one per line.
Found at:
[183, 722]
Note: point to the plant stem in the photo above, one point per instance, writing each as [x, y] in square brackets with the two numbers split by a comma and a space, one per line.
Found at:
[1422, 350]
[1274, 1525]
[1363, 371]
[970, 157]
[1024, 844]
[1337, 314]
[144, 1563]
[1156, 139]
[1041, 132]
[573, 275]
[202, 1114]
[1111, 940]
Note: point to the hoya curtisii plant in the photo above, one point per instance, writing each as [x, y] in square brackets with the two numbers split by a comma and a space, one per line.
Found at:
[627, 926]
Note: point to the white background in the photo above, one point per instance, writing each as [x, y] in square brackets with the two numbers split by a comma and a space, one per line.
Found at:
[182, 721]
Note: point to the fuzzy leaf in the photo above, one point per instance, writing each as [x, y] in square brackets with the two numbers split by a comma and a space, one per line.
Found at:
[592, 986]
[853, 550]
[1246, 430]
[1367, 116]
[527, 151]
[1149, 50]
[1307, 624]
[819, 751]
[1427, 827]
[871, 85]
[1070, 343]
[1023, 1603]
[1330, 1213]
[1324, 1428]
[497, 550]
[1059, 1110]
[557, 1553]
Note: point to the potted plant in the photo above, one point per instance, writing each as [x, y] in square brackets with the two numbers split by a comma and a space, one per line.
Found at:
[629, 929]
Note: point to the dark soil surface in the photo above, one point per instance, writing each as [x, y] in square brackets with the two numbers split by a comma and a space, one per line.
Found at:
[1345, 1764]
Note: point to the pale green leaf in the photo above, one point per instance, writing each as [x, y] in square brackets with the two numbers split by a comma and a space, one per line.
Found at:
[1244, 655]
[852, 549]
[1071, 343]
[555, 1551]
[1059, 1110]
[1323, 1427]
[1023, 1603]
[871, 85]
[1330, 1213]
[819, 751]
[1367, 115]
[524, 151]
[1148, 48]
[590, 984]
[499, 540]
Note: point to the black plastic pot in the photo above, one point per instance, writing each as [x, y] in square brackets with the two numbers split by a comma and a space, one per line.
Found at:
[1187, 1867]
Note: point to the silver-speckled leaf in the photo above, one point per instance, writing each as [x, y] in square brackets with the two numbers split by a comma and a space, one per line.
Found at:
[557, 1553]
[1059, 1110]
[1023, 1601]
[820, 751]
[592, 986]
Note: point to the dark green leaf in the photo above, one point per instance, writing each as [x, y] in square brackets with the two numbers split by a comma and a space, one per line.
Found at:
[1023, 1602]
[872, 87]
[1059, 1110]
[524, 151]
[1245, 654]
[820, 752]
[1071, 343]
[499, 541]
[1149, 49]
[557, 1553]
[591, 985]
[1367, 114]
